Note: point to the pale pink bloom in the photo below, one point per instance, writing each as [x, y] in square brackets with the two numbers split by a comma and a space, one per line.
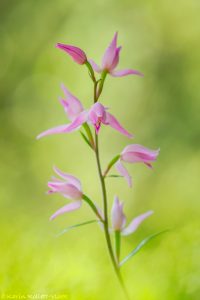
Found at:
[69, 187]
[72, 106]
[96, 115]
[110, 61]
[76, 53]
[119, 219]
[134, 154]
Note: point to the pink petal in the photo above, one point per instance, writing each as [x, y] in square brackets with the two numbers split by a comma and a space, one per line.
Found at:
[78, 121]
[121, 73]
[135, 223]
[110, 53]
[112, 121]
[123, 171]
[67, 208]
[95, 67]
[118, 217]
[55, 130]
[71, 179]
[68, 190]
[71, 104]
[138, 153]
[76, 53]
[115, 60]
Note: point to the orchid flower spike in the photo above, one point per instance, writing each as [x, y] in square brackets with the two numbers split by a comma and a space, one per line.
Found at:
[69, 187]
[96, 116]
[135, 154]
[119, 219]
[110, 61]
[76, 53]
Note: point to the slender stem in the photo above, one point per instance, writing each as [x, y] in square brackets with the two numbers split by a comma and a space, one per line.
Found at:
[106, 229]
[117, 245]
[97, 93]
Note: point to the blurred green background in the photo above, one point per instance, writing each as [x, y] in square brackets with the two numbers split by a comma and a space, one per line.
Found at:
[159, 38]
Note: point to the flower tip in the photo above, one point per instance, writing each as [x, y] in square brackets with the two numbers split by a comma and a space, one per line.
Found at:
[38, 137]
[116, 35]
[58, 45]
[131, 136]
[51, 218]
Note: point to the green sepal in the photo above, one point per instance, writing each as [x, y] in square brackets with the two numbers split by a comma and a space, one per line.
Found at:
[141, 245]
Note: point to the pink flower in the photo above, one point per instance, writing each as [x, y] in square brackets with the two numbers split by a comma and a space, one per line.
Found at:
[110, 61]
[96, 115]
[119, 219]
[134, 154]
[69, 187]
[76, 53]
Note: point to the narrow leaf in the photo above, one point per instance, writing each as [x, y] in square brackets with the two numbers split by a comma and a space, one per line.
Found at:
[89, 134]
[111, 163]
[76, 225]
[141, 245]
[114, 176]
[85, 139]
[93, 207]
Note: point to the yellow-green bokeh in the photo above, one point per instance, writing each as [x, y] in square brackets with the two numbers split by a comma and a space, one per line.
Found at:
[159, 38]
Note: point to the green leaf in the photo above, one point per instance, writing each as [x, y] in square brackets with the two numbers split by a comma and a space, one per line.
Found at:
[89, 134]
[111, 163]
[86, 140]
[114, 176]
[76, 225]
[141, 245]
[92, 205]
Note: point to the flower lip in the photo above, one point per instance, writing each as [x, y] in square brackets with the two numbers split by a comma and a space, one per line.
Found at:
[97, 115]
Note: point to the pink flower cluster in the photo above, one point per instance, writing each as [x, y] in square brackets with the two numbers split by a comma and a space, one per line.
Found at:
[96, 116]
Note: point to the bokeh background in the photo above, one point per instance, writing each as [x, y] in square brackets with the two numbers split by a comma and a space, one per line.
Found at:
[159, 38]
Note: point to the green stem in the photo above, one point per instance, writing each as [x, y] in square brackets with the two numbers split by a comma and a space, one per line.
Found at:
[97, 93]
[106, 226]
[117, 244]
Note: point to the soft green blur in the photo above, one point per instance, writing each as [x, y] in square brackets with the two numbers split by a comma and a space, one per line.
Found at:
[159, 38]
